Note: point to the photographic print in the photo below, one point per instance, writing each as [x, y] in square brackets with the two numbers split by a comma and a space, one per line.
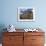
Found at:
[26, 14]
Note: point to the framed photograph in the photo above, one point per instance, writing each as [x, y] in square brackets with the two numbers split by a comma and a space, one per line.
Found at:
[26, 14]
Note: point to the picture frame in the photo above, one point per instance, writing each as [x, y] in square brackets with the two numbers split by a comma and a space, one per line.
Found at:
[26, 14]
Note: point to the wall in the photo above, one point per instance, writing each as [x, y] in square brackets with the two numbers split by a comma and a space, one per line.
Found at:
[9, 13]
